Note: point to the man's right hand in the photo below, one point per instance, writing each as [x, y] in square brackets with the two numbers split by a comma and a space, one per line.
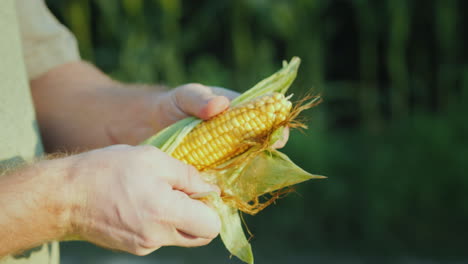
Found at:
[136, 199]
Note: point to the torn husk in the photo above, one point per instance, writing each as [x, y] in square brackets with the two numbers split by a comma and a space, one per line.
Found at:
[254, 179]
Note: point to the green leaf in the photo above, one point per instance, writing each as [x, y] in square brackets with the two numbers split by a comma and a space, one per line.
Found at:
[169, 138]
[269, 171]
[232, 233]
[278, 82]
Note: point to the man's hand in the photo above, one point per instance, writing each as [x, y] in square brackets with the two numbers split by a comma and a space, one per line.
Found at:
[80, 108]
[165, 108]
[136, 199]
[133, 199]
[198, 100]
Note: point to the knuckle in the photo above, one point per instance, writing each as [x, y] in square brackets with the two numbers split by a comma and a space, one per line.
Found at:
[194, 179]
[157, 212]
[196, 243]
[204, 242]
[147, 152]
[145, 244]
[139, 252]
[191, 175]
[118, 146]
[195, 87]
[146, 148]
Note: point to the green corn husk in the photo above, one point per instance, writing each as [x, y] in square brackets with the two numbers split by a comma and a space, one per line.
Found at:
[264, 172]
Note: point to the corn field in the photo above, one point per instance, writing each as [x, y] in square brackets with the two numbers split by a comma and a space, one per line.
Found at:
[391, 134]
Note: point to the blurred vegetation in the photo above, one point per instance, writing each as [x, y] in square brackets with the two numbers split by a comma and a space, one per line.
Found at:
[391, 133]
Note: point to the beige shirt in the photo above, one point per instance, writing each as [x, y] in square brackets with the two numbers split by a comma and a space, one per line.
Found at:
[31, 43]
[46, 43]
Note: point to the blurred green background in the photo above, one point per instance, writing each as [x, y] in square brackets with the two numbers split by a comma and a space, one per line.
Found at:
[391, 134]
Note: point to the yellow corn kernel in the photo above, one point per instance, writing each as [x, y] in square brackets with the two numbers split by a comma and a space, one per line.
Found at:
[223, 137]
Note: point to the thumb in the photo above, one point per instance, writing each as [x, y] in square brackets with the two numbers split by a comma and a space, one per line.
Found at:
[199, 100]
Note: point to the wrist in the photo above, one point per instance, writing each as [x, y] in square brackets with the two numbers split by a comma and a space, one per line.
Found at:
[56, 194]
[72, 196]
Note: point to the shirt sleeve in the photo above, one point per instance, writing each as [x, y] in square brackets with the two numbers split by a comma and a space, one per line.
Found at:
[45, 42]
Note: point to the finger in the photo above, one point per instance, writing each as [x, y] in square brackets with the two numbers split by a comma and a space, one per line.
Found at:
[193, 218]
[199, 100]
[282, 141]
[183, 239]
[186, 178]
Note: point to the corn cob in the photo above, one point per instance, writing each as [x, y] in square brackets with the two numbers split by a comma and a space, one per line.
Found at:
[231, 133]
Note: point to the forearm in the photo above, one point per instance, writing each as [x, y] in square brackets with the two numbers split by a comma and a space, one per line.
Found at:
[33, 206]
[78, 107]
